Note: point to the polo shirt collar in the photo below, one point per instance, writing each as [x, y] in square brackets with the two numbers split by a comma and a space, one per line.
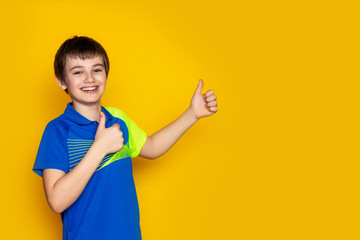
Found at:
[76, 117]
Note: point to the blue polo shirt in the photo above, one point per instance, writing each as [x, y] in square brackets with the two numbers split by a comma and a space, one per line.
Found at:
[107, 209]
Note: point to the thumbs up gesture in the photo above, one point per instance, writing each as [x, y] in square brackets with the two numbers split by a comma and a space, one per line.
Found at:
[203, 105]
[110, 139]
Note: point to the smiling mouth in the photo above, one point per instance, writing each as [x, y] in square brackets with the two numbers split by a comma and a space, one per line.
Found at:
[89, 89]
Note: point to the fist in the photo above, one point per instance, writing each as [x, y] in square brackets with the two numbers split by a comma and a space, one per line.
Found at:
[203, 105]
[110, 140]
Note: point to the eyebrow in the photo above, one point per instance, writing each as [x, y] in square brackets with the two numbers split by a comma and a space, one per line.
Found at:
[95, 65]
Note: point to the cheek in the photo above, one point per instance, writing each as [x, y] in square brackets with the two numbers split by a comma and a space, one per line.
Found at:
[103, 80]
[74, 81]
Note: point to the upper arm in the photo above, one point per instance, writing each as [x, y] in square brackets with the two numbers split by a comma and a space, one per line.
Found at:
[137, 137]
[147, 149]
[52, 152]
[50, 177]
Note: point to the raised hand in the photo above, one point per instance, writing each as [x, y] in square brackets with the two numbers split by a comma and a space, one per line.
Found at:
[109, 140]
[203, 105]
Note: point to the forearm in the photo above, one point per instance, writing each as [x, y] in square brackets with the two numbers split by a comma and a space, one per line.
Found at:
[161, 141]
[63, 192]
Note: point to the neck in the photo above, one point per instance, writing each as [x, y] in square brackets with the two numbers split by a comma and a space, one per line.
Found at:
[91, 111]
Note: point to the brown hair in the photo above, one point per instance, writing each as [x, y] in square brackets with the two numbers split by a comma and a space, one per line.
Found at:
[79, 47]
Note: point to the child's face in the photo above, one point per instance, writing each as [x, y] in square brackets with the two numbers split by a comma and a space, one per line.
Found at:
[85, 80]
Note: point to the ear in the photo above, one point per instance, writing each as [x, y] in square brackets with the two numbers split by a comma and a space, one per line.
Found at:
[62, 84]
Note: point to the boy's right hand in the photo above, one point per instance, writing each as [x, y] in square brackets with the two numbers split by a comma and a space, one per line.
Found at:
[109, 140]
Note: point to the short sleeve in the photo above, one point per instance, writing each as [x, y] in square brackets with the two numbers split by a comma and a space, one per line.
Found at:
[52, 152]
[137, 137]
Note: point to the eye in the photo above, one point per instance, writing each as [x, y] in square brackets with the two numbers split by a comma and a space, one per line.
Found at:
[98, 70]
[77, 72]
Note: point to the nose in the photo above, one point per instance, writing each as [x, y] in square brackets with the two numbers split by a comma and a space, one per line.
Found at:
[89, 78]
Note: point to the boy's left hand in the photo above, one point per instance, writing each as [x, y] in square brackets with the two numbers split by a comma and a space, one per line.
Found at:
[203, 105]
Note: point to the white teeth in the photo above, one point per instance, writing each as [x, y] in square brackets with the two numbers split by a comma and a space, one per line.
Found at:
[89, 89]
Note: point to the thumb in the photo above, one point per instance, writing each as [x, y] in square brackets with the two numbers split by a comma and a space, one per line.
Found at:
[199, 87]
[102, 121]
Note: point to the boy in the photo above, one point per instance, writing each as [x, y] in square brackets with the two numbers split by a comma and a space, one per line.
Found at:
[85, 154]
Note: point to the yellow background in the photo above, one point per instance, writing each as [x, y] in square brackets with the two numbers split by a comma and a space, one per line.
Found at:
[278, 161]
